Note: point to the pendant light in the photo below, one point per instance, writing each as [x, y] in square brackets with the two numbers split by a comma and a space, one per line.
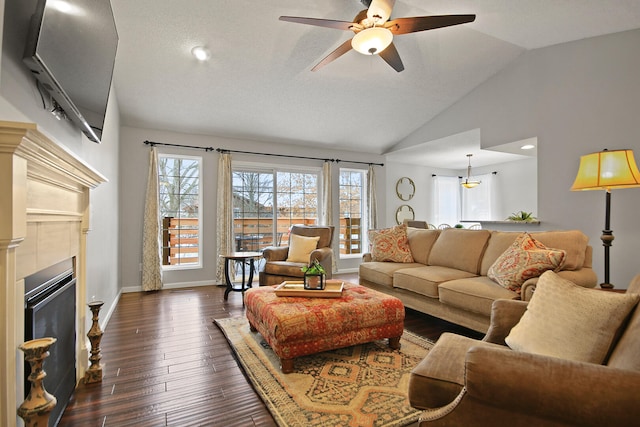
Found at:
[468, 182]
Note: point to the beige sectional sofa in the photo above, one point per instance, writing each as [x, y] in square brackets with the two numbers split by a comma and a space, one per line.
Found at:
[448, 278]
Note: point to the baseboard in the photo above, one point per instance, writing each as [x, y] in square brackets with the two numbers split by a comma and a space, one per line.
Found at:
[177, 285]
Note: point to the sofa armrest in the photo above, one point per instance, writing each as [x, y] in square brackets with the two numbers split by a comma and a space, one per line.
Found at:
[584, 277]
[505, 314]
[275, 253]
[577, 393]
[320, 254]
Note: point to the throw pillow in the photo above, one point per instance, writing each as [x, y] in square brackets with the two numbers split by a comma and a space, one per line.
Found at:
[300, 248]
[570, 322]
[390, 244]
[524, 259]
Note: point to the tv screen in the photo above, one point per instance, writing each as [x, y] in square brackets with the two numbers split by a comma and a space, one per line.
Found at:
[71, 50]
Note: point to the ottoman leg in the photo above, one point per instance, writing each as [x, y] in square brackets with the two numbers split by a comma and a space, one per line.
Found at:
[394, 343]
[286, 365]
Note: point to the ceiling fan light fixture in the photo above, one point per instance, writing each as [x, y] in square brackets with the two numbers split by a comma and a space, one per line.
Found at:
[372, 41]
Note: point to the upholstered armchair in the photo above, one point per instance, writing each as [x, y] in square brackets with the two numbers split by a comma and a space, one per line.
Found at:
[306, 244]
[466, 382]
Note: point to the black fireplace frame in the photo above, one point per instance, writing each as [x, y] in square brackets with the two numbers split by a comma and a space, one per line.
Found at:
[50, 311]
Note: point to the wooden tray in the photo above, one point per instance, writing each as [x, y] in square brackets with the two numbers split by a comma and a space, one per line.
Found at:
[333, 289]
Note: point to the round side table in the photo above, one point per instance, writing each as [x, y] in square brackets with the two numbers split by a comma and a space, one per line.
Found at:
[246, 259]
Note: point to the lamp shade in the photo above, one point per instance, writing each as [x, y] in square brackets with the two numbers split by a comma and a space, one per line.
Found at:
[372, 41]
[606, 170]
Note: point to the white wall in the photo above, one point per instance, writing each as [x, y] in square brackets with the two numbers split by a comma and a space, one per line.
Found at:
[133, 175]
[20, 101]
[512, 182]
[576, 98]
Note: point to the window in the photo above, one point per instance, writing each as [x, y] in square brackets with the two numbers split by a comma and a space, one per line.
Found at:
[266, 203]
[446, 200]
[352, 207]
[180, 201]
[477, 202]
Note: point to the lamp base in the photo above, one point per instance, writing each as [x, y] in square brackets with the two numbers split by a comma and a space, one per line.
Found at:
[606, 285]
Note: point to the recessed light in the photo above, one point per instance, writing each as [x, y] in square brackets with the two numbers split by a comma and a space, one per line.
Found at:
[528, 147]
[201, 53]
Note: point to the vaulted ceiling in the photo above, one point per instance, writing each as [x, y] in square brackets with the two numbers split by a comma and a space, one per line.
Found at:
[259, 85]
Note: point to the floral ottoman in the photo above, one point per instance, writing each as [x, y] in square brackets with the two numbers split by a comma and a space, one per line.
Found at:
[299, 326]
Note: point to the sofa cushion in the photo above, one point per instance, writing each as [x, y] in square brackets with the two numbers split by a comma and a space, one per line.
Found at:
[524, 259]
[460, 249]
[570, 322]
[421, 241]
[424, 280]
[475, 294]
[498, 243]
[390, 244]
[285, 268]
[573, 242]
[439, 377]
[300, 248]
[382, 272]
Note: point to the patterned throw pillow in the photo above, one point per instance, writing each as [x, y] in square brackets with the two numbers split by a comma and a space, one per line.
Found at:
[390, 244]
[524, 259]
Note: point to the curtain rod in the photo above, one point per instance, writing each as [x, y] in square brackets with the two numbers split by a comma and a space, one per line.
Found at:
[224, 150]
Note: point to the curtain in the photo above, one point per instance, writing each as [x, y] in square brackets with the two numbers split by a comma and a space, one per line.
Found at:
[224, 225]
[446, 200]
[327, 217]
[152, 230]
[372, 204]
[479, 203]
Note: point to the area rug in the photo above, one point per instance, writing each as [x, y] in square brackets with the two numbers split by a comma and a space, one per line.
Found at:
[358, 386]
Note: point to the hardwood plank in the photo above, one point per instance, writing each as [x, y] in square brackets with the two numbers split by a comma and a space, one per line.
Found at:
[167, 364]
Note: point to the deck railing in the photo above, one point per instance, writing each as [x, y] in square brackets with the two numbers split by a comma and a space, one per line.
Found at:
[180, 239]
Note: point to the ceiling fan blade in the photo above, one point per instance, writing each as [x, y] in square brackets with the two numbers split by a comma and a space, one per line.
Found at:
[392, 57]
[422, 23]
[341, 50]
[318, 22]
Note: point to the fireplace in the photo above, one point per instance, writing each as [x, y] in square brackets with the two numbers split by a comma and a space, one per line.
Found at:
[44, 212]
[50, 311]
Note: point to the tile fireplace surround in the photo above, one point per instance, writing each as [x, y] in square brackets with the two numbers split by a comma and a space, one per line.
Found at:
[44, 219]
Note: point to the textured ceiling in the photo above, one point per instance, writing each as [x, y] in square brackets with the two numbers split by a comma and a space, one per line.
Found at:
[258, 84]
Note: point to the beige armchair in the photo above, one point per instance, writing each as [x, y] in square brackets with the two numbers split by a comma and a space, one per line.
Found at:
[275, 269]
[466, 382]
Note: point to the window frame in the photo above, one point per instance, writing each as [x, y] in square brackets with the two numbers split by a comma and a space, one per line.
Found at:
[199, 160]
[363, 212]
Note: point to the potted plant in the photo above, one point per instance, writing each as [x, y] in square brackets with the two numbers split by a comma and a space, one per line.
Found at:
[314, 276]
[522, 216]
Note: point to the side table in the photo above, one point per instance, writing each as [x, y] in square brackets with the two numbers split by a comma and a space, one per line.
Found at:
[246, 259]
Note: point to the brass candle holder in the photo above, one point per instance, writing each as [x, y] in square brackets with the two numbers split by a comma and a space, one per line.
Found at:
[94, 373]
[36, 408]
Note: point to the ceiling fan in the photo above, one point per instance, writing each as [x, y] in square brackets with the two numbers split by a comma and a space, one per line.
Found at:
[374, 32]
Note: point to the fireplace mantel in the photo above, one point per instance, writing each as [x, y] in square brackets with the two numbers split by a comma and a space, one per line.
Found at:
[44, 219]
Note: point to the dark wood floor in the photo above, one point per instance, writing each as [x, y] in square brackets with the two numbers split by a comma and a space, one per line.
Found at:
[167, 364]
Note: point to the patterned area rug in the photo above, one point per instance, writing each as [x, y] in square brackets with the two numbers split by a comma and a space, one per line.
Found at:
[363, 385]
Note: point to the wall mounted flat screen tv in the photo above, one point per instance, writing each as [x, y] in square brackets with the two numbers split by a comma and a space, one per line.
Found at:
[71, 50]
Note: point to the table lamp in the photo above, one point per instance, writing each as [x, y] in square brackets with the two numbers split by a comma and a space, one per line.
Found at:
[607, 170]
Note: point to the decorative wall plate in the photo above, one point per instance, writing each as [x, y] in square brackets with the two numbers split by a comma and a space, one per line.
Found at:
[404, 212]
[405, 189]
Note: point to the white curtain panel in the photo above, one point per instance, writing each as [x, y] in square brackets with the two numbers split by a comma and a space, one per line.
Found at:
[152, 230]
[327, 210]
[225, 212]
[479, 203]
[446, 200]
[372, 204]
